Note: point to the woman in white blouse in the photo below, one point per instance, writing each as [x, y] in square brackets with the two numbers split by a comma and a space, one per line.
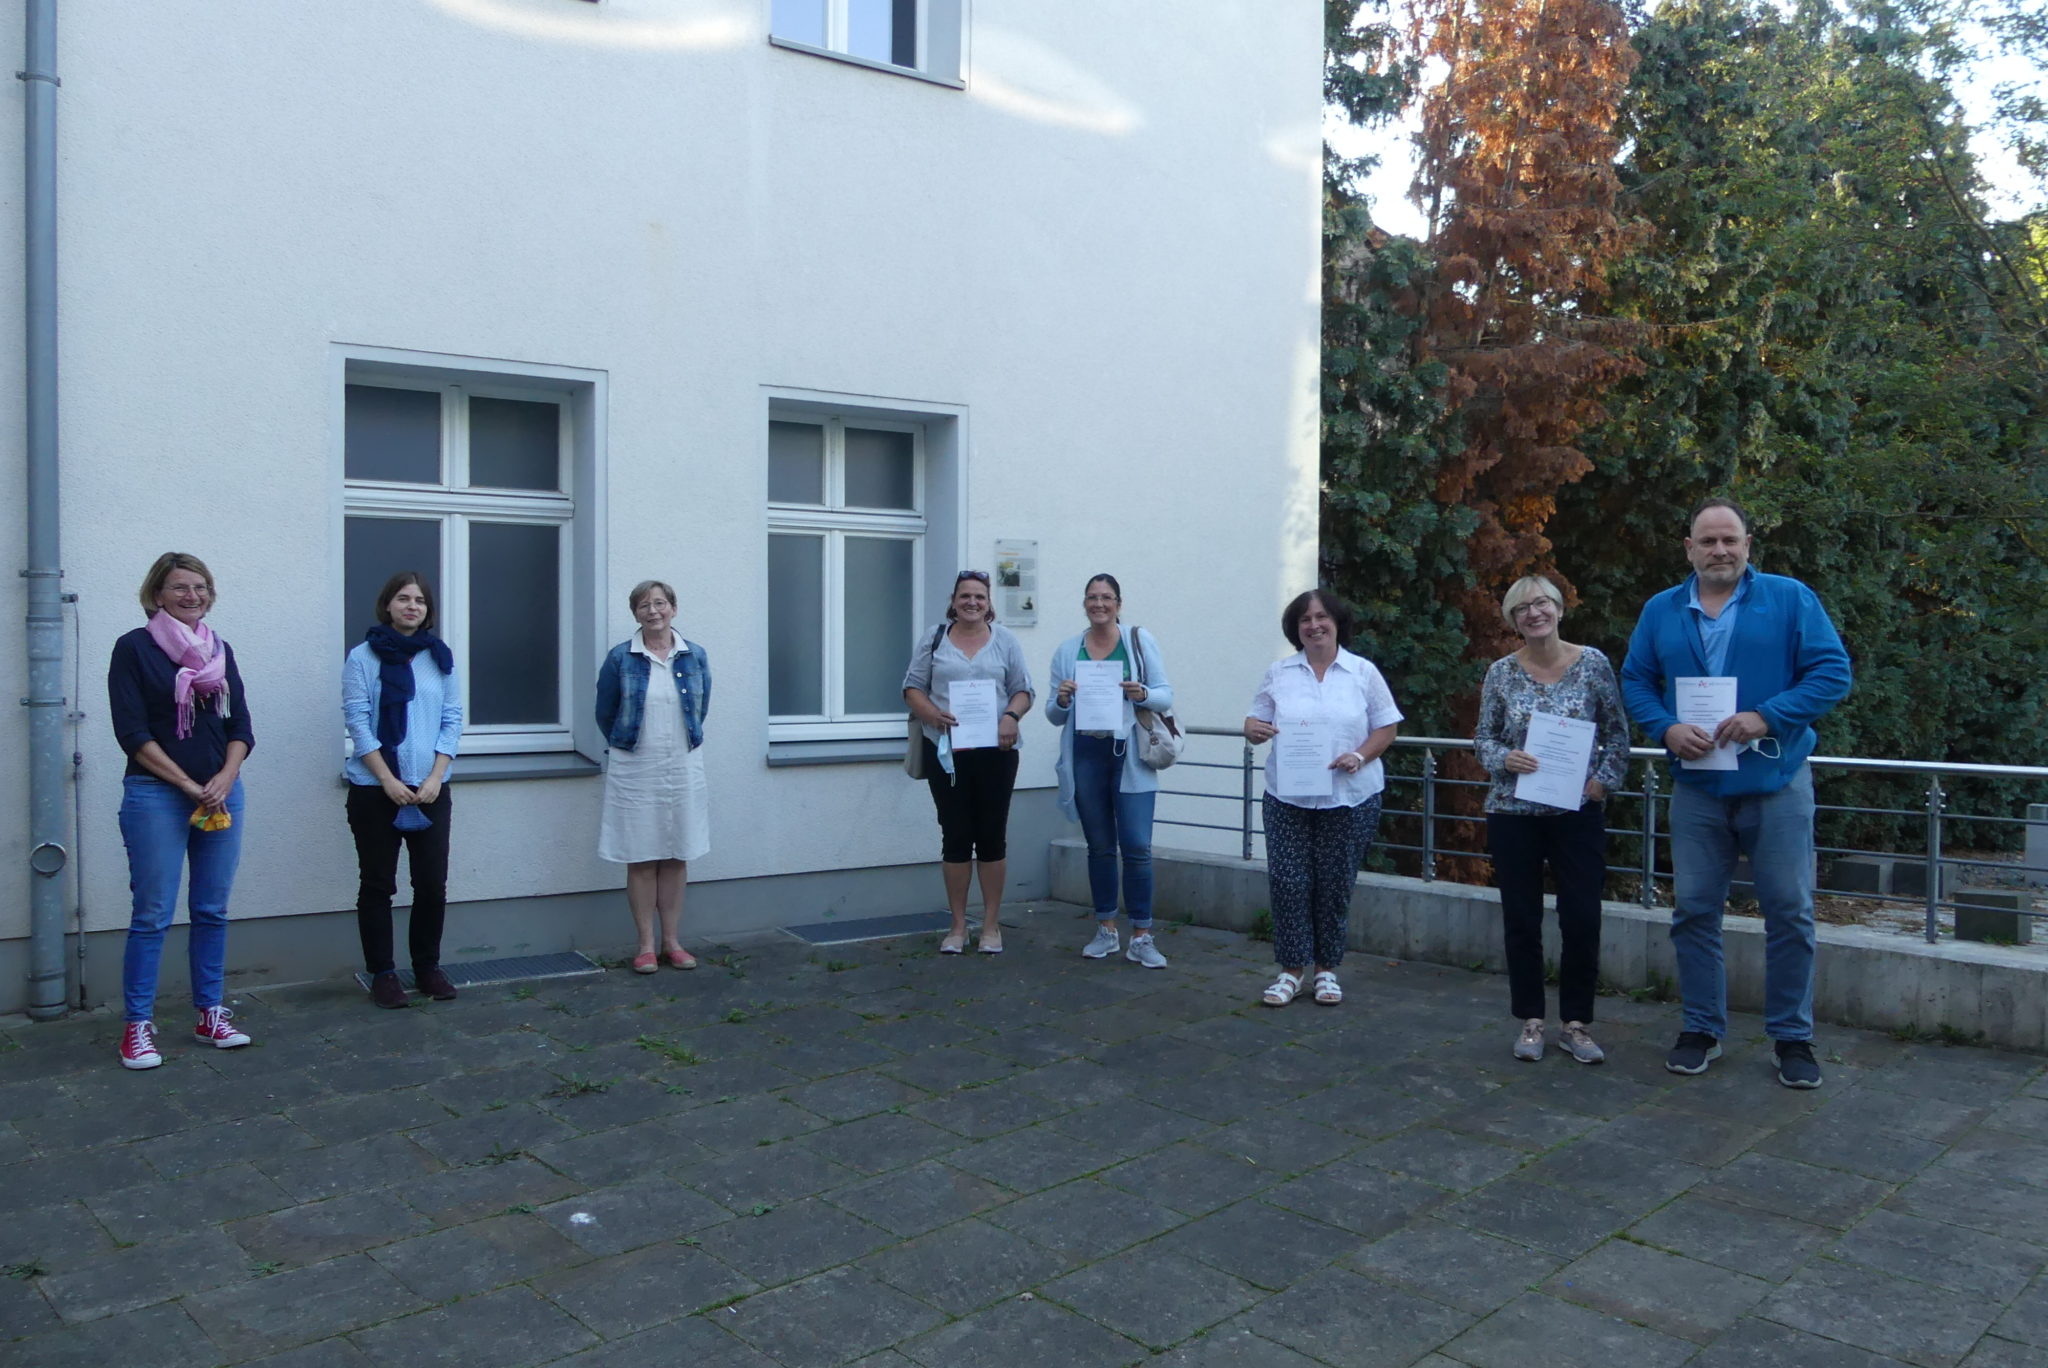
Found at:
[1320, 818]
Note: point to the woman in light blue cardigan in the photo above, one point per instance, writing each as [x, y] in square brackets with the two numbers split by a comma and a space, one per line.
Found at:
[1103, 783]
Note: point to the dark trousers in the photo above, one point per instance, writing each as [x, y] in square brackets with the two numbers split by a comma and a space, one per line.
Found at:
[973, 802]
[377, 843]
[1312, 860]
[1574, 845]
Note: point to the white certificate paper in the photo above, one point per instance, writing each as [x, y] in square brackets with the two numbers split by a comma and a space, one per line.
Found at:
[1707, 701]
[975, 705]
[1563, 747]
[1302, 753]
[1099, 695]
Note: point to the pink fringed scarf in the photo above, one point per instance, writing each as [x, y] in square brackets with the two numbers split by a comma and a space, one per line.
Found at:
[202, 666]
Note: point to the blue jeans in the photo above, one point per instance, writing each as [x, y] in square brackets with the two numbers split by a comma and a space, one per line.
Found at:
[1114, 822]
[1775, 830]
[156, 828]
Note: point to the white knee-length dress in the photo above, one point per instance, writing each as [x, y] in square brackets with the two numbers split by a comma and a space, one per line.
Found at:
[654, 795]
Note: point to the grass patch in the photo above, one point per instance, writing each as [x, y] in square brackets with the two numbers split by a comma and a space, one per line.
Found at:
[23, 1271]
[736, 1016]
[1262, 925]
[672, 1051]
[576, 1085]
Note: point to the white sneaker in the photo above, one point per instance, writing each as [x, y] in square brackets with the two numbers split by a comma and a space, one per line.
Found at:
[1144, 952]
[1106, 942]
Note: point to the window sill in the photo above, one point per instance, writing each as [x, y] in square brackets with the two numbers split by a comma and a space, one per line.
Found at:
[951, 83]
[535, 765]
[786, 753]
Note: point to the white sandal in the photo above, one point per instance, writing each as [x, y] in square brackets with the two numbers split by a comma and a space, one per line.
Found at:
[1282, 990]
[1328, 994]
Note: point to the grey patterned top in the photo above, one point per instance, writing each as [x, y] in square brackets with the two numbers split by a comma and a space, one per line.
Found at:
[1587, 691]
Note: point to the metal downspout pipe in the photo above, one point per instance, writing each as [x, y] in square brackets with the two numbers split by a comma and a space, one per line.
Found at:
[49, 851]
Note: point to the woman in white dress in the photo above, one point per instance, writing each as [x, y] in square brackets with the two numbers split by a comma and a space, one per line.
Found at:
[652, 694]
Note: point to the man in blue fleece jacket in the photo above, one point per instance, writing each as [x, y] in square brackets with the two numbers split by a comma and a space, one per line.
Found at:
[1772, 635]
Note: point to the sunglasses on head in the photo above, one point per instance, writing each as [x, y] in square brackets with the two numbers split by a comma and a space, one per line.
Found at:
[981, 575]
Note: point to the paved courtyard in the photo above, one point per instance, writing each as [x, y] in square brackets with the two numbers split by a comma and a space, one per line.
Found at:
[873, 1154]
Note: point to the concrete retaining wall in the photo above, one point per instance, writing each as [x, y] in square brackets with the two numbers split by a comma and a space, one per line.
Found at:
[1877, 979]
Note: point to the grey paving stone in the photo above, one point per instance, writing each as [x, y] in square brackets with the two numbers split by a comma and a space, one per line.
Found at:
[330, 1170]
[775, 1174]
[1511, 1120]
[1753, 1343]
[49, 1180]
[1016, 1332]
[1801, 1191]
[1353, 1322]
[264, 1315]
[332, 1353]
[1832, 1142]
[73, 1125]
[1947, 1256]
[159, 1337]
[1152, 1058]
[1233, 1034]
[920, 1198]
[519, 1126]
[23, 1308]
[923, 1031]
[1549, 1218]
[1992, 1352]
[1283, 1145]
[13, 1148]
[627, 1293]
[1221, 1098]
[2022, 1116]
[464, 1194]
[1085, 1219]
[478, 1257]
[1674, 1295]
[1445, 1158]
[1682, 1135]
[205, 1147]
[617, 1156]
[978, 1113]
[743, 1124]
[1734, 1237]
[1189, 1178]
[791, 1241]
[697, 1342]
[2000, 1157]
[2012, 1210]
[1128, 1126]
[129, 1279]
[1030, 1159]
[941, 1071]
[154, 1209]
[1536, 1331]
[1366, 1201]
[1973, 1078]
[828, 1319]
[615, 1219]
[470, 1093]
[1158, 1300]
[1373, 1107]
[877, 1144]
[1462, 1268]
[59, 1236]
[1233, 1346]
[353, 1118]
[966, 1265]
[1872, 1109]
[625, 1102]
[1634, 1180]
[1267, 1246]
[1887, 1315]
[854, 1095]
[320, 1230]
[2026, 1320]
[509, 1329]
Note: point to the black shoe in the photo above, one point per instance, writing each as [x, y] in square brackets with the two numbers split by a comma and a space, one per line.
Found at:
[1691, 1053]
[435, 984]
[387, 991]
[1796, 1066]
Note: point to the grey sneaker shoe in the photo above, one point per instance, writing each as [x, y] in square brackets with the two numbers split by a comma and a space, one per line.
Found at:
[1529, 1044]
[1579, 1045]
[1106, 942]
[1144, 952]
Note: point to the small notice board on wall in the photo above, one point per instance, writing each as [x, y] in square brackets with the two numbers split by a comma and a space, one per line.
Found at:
[1017, 583]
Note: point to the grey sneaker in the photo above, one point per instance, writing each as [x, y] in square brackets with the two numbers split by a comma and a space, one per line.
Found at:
[1106, 942]
[1529, 1044]
[1144, 952]
[1579, 1045]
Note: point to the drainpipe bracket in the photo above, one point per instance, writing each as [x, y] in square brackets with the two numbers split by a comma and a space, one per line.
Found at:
[49, 859]
[38, 76]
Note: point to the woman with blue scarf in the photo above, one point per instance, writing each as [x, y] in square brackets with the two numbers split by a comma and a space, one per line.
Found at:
[404, 717]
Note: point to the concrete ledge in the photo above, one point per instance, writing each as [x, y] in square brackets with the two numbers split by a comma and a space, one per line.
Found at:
[1868, 978]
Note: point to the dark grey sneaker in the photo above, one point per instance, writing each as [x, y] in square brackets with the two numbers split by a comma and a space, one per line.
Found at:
[1797, 1067]
[1580, 1045]
[1691, 1053]
[1529, 1044]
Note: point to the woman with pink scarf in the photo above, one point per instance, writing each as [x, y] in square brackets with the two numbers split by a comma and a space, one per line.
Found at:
[176, 700]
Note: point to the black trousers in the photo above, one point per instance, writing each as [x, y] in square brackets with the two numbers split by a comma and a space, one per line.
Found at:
[377, 843]
[1574, 845]
[973, 802]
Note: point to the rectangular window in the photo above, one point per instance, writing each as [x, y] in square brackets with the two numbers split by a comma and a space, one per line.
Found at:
[919, 37]
[470, 483]
[846, 545]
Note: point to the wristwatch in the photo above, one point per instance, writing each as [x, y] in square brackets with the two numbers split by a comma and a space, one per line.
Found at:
[1014, 717]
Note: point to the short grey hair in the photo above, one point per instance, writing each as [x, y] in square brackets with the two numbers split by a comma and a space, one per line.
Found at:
[646, 587]
[1526, 588]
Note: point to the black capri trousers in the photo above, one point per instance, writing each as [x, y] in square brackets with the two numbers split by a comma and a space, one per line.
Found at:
[973, 802]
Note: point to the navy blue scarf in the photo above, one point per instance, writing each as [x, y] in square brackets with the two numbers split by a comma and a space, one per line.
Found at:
[395, 651]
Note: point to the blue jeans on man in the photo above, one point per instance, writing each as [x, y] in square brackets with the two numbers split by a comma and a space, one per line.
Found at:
[1708, 835]
[156, 826]
[1117, 826]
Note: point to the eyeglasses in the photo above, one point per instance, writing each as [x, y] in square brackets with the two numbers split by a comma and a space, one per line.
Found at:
[981, 575]
[1100, 598]
[1528, 604]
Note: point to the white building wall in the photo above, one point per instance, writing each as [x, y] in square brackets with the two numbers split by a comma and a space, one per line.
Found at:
[1103, 252]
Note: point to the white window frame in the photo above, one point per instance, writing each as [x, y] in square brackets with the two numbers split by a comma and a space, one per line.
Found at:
[454, 504]
[834, 520]
[940, 40]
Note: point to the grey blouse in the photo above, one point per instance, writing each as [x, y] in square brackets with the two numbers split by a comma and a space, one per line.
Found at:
[1587, 692]
[934, 671]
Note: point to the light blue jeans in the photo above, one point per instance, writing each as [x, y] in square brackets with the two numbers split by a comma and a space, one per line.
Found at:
[156, 827]
[1115, 824]
[1708, 834]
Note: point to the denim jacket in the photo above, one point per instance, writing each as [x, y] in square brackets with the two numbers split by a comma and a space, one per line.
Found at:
[622, 692]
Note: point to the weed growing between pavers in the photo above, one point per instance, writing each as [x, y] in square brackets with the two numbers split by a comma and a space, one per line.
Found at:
[670, 1050]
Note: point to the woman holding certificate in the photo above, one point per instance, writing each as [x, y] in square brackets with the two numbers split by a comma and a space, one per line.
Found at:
[1330, 716]
[1554, 736]
[1100, 678]
[968, 688]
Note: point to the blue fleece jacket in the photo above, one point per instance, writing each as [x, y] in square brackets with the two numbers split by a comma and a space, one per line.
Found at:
[1787, 660]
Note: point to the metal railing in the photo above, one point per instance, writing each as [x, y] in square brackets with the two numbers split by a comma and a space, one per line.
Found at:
[1933, 860]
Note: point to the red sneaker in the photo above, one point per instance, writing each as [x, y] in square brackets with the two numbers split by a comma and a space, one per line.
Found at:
[138, 1046]
[215, 1029]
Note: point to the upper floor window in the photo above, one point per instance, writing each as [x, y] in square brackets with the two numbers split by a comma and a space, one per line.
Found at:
[915, 37]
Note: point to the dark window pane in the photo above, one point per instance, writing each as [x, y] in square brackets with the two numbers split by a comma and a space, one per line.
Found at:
[372, 551]
[515, 444]
[392, 434]
[515, 623]
[877, 623]
[905, 36]
[796, 463]
[796, 626]
[883, 30]
[800, 21]
[881, 469]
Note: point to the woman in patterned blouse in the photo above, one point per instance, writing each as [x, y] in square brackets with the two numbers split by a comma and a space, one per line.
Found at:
[1549, 675]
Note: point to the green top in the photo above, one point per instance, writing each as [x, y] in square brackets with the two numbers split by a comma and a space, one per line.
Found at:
[1118, 654]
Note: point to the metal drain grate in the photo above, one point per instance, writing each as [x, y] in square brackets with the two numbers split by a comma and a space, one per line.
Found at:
[478, 973]
[870, 928]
